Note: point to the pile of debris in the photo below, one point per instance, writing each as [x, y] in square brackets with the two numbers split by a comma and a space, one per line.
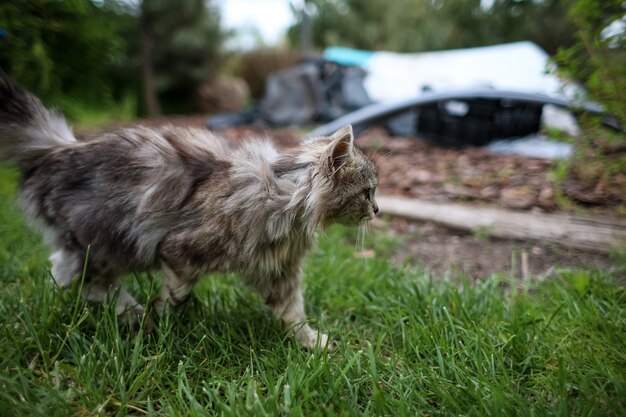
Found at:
[463, 97]
[416, 168]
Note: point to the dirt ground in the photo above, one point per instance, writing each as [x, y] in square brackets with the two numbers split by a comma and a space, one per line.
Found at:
[420, 169]
[442, 251]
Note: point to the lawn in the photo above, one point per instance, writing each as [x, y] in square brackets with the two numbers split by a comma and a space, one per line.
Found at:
[409, 344]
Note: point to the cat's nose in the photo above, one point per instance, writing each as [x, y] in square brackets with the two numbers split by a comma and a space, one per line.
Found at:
[375, 208]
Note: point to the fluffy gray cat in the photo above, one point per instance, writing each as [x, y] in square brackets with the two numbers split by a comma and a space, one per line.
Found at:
[182, 200]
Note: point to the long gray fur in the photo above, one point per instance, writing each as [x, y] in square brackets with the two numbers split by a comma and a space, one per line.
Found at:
[182, 200]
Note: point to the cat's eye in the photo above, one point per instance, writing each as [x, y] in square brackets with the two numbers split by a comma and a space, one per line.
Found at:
[369, 193]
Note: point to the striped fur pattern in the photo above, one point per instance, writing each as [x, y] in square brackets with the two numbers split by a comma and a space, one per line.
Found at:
[183, 201]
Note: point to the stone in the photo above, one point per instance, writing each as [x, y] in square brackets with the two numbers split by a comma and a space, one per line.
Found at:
[521, 197]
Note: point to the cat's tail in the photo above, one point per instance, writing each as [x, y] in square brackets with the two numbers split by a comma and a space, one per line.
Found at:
[27, 129]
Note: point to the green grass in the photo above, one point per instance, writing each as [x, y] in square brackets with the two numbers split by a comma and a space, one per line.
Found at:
[88, 116]
[408, 344]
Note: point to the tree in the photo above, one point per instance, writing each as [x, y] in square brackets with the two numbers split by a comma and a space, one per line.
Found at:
[71, 48]
[421, 25]
[544, 22]
[374, 24]
[87, 53]
[146, 36]
[186, 37]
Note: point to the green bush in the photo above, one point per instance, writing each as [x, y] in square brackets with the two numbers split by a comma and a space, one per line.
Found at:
[598, 61]
[597, 173]
[71, 48]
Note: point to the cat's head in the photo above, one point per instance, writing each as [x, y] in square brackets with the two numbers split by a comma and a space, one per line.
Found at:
[351, 181]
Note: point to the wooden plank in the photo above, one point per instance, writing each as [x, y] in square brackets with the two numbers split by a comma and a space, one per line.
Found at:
[599, 234]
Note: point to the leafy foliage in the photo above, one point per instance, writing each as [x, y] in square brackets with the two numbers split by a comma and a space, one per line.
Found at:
[418, 25]
[83, 53]
[597, 60]
[71, 48]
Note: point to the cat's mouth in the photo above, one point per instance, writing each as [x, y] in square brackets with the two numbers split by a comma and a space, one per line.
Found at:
[353, 220]
[367, 218]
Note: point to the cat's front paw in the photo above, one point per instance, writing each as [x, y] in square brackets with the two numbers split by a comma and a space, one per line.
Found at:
[159, 306]
[312, 339]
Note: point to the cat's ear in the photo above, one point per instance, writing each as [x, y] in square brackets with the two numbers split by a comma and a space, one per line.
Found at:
[341, 147]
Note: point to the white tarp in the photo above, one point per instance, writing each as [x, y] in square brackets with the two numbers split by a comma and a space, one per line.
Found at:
[519, 66]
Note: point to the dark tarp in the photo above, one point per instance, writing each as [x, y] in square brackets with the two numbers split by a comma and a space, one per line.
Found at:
[314, 91]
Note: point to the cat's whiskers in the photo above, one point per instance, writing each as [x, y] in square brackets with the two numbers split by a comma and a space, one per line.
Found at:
[358, 244]
[362, 231]
[378, 159]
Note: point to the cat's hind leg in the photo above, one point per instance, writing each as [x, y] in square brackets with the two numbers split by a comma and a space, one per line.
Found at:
[128, 309]
[67, 266]
[177, 285]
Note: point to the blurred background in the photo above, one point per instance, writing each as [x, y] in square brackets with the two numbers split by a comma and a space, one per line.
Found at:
[121, 59]
[118, 63]
[109, 63]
